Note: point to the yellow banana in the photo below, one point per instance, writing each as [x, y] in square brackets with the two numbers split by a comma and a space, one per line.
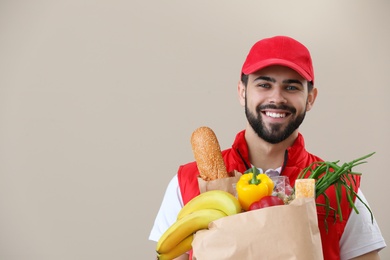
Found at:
[214, 199]
[183, 247]
[186, 226]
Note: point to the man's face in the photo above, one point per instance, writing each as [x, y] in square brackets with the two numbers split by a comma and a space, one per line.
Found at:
[276, 100]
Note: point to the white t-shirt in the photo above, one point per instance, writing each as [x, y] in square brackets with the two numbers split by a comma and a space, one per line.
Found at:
[360, 235]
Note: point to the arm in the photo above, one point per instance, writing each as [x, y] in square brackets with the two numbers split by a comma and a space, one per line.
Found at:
[362, 239]
[169, 208]
[185, 257]
[369, 256]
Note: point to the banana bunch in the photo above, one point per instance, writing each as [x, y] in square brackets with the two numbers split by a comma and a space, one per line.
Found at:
[194, 216]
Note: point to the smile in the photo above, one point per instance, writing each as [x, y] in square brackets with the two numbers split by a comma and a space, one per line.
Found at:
[275, 115]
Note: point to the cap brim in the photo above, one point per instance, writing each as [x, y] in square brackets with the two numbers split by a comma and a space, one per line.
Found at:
[265, 63]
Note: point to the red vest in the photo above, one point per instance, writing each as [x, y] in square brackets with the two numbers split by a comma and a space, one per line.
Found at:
[296, 159]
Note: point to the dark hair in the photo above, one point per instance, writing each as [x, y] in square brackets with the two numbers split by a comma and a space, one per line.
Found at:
[244, 80]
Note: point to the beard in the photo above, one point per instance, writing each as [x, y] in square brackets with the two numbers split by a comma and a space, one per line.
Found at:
[276, 132]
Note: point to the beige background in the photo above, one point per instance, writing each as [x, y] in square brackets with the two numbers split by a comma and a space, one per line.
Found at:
[98, 100]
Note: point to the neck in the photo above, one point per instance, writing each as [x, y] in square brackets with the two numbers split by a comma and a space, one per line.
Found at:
[265, 155]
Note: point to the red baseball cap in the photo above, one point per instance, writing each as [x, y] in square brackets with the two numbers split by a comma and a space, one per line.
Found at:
[279, 50]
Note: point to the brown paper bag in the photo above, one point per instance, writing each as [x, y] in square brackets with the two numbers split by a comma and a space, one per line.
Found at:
[280, 232]
[225, 184]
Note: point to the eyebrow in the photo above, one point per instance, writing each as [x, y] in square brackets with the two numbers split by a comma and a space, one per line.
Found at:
[265, 78]
[287, 81]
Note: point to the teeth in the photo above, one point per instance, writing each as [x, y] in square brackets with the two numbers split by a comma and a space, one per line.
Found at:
[275, 115]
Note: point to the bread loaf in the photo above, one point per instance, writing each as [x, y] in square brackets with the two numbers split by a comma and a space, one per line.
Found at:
[304, 188]
[207, 153]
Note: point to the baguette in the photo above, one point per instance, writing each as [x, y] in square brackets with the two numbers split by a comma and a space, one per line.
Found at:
[207, 153]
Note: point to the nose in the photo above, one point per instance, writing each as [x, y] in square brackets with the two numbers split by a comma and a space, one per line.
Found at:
[277, 97]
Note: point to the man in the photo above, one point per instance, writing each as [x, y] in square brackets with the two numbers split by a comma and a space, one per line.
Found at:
[277, 89]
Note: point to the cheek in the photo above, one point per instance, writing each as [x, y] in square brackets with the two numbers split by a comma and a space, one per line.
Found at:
[254, 100]
[300, 103]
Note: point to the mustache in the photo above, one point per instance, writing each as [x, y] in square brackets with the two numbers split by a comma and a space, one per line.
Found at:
[273, 106]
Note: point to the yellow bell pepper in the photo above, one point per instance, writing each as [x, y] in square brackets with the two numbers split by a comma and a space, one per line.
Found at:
[251, 187]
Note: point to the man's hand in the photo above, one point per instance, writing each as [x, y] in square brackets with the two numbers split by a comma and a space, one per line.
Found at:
[185, 257]
[369, 256]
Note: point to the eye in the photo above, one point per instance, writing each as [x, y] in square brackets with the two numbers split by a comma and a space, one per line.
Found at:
[263, 85]
[292, 87]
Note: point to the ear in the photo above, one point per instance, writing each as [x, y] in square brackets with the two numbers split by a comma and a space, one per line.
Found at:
[311, 99]
[241, 92]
